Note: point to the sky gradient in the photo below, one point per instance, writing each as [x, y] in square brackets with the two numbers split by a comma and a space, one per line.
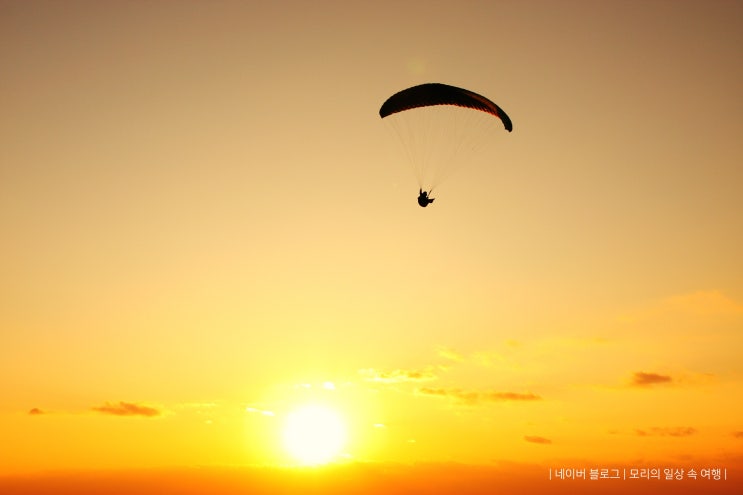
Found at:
[204, 224]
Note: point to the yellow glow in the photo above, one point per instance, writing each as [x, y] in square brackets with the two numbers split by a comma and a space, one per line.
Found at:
[314, 434]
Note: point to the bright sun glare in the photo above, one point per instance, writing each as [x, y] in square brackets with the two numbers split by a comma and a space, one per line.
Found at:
[314, 434]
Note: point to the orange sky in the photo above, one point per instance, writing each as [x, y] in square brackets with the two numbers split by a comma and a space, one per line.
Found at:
[205, 225]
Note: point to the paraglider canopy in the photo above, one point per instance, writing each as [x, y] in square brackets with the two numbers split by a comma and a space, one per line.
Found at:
[443, 128]
[430, 94]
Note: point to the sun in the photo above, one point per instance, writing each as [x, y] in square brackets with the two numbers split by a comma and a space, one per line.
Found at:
[314, 434]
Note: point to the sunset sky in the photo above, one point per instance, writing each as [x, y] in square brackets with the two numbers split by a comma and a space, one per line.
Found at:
[205, 228]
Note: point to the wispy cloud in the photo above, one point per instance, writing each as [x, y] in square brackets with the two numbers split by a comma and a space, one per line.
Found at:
[257, 410]
[476, 397]
[738, 434]
[196, 405]
[711, 302]
[519, 355]
[676, 431]
[643, 379]
[450, 354]
[536, 439]
[127, 409]
[401, 375]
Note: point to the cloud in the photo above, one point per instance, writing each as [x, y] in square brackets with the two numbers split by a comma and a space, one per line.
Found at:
[711, 302]
[472, 397]
[197, 405]
[450, 354]
[400, 375]
[127, 409]
[650, 380]
[487, 359]
[535, 439]
[642, 379]
[677, 431]
[256, 410]
[36, 412]
[738, 434]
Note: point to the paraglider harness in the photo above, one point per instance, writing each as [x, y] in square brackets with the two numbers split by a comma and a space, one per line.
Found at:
[423, 198]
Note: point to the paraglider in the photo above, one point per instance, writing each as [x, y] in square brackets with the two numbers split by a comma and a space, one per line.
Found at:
[423, 198]
[439, 126]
